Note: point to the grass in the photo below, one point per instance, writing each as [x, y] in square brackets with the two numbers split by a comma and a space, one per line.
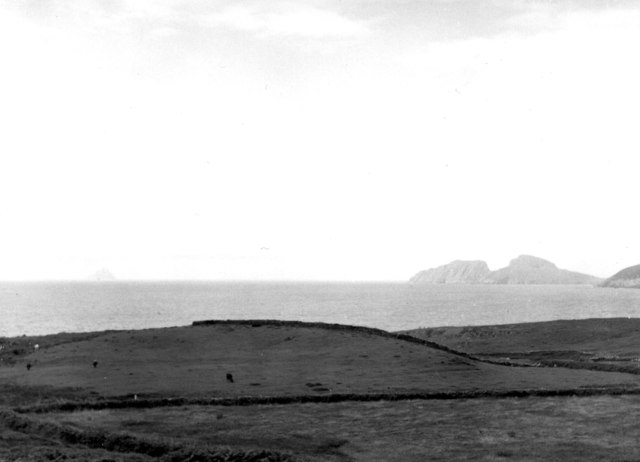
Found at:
[38, 432]
[612, 337]
[20, 444]
[14, 349]
[537, 429]
[14, 395]
[272, 360]
[295, 363]
[610, 345]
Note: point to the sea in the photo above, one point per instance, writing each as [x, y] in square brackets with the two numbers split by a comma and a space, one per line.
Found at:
[34, 308]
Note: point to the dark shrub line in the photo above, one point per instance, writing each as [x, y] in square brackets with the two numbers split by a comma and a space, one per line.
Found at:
[330, 398]
[575, 360]
[120, 442]
[592, 366]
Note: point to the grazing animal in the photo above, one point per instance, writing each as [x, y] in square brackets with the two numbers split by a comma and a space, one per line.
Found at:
[229, 378]
[95, 363]
[36, 346]
[28, 366]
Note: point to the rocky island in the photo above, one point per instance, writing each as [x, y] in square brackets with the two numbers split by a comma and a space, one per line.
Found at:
[628, 278]
[102, 275]
[456, 272]
[524, 269]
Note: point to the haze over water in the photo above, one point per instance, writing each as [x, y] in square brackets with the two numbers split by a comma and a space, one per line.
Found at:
[42, 308]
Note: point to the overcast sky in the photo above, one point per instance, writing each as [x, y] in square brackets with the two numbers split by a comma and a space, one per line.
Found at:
[316, 139]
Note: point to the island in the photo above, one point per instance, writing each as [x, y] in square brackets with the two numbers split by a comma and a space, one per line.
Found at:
[525, 269]
[627, 278]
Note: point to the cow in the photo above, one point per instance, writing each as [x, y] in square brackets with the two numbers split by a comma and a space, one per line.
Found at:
[229, 378]
[95, 363]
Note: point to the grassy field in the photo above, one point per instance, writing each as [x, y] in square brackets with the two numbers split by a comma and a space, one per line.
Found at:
[271, 360]
[25, 447]
[540, 429]
[597, 344]
[279, 360]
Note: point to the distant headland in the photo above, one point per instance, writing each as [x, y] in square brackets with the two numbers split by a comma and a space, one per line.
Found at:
[627, 278]
[102, 274]
[524, 269]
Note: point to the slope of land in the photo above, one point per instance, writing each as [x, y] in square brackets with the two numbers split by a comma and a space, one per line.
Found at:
[533, 270]
[627, 278]
[270, 359]
[456, 272]
[139, 388]
[599, 344]
[524, 269]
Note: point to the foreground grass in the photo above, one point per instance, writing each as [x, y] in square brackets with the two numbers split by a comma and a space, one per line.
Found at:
[537, 429]
[286, 361]
[48, 440]
[20, 447]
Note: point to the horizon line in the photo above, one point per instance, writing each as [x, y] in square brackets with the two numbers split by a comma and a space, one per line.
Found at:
[233, 281]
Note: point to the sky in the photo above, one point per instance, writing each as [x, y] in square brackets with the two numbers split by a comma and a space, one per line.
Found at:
[316, 139]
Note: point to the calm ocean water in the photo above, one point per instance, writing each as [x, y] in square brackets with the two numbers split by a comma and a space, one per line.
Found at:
[40, 308]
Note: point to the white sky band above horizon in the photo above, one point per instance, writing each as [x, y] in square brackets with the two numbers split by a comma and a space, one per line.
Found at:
[316, 139]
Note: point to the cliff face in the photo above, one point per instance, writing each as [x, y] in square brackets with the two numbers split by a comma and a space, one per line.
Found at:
[522, 270]
[456, 272]
[628, 277]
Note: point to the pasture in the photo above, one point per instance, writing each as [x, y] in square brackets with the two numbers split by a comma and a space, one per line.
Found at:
[344, 394]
